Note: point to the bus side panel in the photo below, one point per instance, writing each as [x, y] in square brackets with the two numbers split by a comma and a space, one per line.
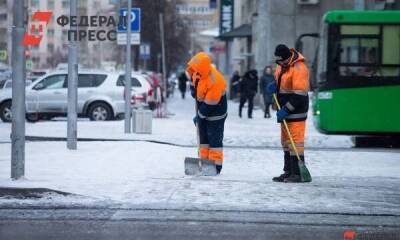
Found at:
[363, 110]
[323, 110]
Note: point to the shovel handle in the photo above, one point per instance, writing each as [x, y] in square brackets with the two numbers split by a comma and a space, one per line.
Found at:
[287, 129]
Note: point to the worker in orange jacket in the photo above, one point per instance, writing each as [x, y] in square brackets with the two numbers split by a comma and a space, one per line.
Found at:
[291, 87]
[208, 87]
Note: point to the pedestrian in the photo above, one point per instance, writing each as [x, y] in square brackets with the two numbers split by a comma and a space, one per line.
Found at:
[208, 87]
[248, 89]
[291, 87]
[182, 82]
[265, 80]
[235, 81]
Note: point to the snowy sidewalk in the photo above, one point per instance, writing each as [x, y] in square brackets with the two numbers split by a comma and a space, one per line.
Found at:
[179, 129]
[144, 175]
[150, 176]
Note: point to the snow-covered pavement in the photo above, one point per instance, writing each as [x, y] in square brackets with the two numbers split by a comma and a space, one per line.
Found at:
[179, 129]
[150, 176]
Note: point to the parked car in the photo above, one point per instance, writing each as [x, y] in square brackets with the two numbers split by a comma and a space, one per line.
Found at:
[8, 83]
[5, 74]
[35, 74]
[100, 96]
[154, 95]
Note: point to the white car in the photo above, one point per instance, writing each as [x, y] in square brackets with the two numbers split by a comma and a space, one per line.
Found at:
[8, 83]
[100, 95]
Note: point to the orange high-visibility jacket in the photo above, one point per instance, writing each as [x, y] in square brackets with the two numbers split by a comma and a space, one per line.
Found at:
[211, 87]
[293, 85]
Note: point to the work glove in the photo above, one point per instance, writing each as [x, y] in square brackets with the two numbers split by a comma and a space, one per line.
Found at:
[195, 120]
[282, 114]
[272, 88]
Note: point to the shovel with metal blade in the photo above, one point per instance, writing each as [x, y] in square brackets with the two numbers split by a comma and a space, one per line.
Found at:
[199, 166]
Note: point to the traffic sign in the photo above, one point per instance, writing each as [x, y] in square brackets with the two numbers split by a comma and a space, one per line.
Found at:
[121, 38]
[144, 51]
[135, 20]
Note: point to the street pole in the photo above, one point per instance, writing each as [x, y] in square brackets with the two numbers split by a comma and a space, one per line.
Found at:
[164, 68]
[72, 85]
[18, 93]
[128, 73]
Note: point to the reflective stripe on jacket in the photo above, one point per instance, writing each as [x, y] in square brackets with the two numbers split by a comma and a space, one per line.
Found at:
[211, 87]
[293, 87]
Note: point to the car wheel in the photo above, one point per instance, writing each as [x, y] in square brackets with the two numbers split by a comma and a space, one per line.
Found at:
[6, 112]
[100, 112]
[46, 117]
[32, 117]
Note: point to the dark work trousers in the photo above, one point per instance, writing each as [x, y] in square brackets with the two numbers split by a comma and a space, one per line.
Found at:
[249, 98]
[211, 137]
[267, 103]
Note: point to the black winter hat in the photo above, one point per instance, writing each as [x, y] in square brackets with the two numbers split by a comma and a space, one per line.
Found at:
[282, 51]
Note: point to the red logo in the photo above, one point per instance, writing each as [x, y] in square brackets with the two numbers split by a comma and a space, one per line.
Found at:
[39, 19]
[349, 235]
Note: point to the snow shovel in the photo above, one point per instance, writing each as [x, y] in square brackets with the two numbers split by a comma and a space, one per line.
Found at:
[304, 173]
[199, 166]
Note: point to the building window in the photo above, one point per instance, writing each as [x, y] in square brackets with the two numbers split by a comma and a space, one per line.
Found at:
[50, 47]
[35, 3]
[64, 34]
[193, 9]
[3, 17]
[65, 4]
[50, 32]
[50, 4]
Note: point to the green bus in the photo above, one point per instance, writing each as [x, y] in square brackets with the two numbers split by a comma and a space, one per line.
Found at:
[357, 89]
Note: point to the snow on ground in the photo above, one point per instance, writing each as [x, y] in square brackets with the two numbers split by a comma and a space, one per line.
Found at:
[179, 129]
[149, 175]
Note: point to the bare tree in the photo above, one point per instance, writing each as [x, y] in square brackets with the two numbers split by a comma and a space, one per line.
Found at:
[176, 34]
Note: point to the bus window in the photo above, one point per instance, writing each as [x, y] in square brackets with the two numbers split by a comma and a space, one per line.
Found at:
[359, 30]
[322, 54]
[368, 51]
[349, 50]
[359, 51]
[391, 50]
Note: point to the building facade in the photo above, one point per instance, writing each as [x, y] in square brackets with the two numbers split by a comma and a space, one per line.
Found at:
[202, 20]
[5, 31]
[261, 25]
[53, 48]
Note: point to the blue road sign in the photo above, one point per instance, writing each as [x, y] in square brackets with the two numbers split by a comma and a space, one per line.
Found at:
[144, 51]
[135, 20]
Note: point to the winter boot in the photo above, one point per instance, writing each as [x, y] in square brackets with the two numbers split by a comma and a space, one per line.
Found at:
[295, 171]
[219, 168]
[286, 168]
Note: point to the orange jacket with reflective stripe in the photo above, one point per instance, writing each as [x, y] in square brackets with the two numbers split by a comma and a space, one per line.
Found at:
[293, 82]
[211, 87]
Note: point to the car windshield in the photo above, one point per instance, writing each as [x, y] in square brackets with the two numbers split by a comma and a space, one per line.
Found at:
[2, 83]
[134, 81]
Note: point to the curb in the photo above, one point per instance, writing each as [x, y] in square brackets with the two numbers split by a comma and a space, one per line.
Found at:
[25, 193]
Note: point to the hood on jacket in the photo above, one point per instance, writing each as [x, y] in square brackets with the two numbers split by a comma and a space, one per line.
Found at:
[296, 57]
[201, 63]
